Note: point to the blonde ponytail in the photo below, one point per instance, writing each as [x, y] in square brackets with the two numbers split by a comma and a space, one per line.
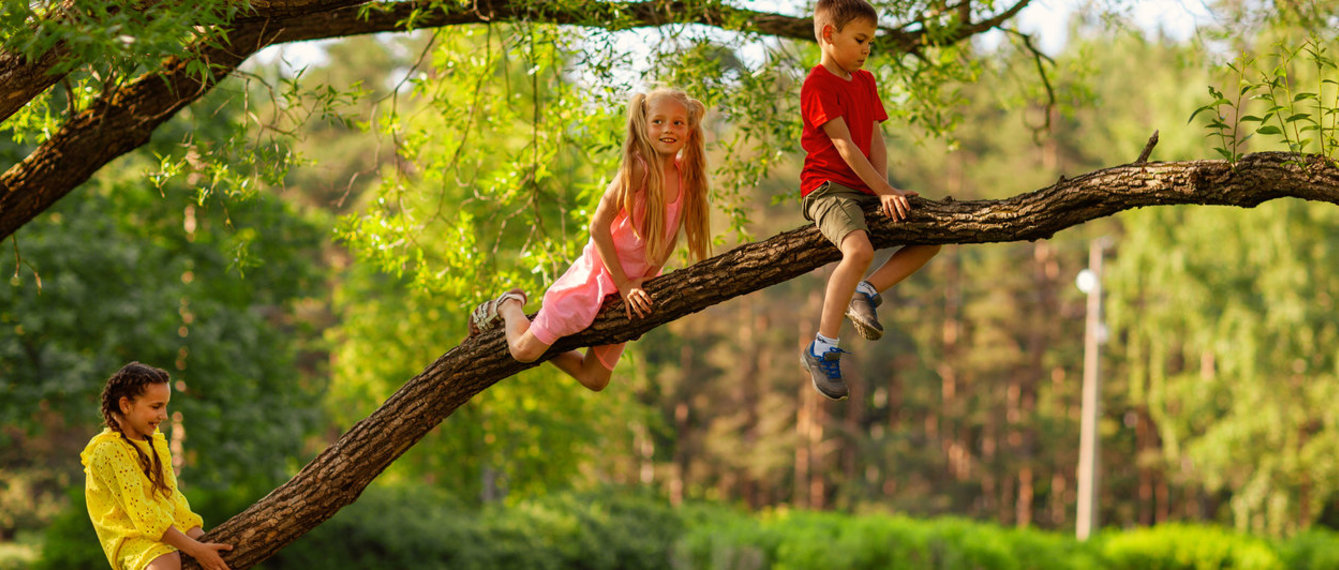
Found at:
[637, 148]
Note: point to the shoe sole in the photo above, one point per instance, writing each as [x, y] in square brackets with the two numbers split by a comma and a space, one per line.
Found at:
[814, 381]
[865, 330]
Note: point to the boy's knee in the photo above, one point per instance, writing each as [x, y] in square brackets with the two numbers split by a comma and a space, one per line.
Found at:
[856, 247]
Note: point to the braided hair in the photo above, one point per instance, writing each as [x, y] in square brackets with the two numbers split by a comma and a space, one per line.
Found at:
[129, 382]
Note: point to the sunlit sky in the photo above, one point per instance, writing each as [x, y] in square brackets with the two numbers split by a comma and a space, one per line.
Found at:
[1049, 19]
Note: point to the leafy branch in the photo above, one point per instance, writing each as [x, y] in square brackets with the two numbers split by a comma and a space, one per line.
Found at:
[1304, 121]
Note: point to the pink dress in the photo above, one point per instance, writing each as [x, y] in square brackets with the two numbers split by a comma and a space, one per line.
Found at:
[571, 303]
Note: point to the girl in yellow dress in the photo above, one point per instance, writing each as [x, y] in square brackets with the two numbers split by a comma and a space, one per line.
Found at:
[142, 519]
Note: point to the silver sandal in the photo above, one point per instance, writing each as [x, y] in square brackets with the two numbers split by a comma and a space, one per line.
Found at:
[485, 316]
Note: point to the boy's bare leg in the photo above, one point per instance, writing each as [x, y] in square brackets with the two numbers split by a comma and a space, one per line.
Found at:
[586, 368]
[856, 256]
[902, 264]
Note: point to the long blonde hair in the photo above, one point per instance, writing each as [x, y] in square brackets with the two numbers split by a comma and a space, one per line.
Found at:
[637, 147]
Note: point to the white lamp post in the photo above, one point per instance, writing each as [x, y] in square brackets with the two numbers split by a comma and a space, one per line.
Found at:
[1090, 281]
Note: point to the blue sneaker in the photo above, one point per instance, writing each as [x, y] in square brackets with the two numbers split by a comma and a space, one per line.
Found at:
[825, 371]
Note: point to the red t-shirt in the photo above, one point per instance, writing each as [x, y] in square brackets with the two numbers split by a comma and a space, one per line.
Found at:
[825, 97]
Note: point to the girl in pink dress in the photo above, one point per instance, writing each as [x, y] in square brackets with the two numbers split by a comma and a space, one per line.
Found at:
[662, 183]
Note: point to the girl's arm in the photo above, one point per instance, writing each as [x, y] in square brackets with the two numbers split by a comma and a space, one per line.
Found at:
[634, 298]
[206, 553]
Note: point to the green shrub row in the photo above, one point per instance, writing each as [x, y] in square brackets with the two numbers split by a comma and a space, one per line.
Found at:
[799, 539]
[789, 540]
[422, 528]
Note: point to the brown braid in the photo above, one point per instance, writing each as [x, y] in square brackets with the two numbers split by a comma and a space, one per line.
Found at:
[129, 382]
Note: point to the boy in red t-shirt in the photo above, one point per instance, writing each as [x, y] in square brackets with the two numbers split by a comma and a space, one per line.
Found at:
[846, 168]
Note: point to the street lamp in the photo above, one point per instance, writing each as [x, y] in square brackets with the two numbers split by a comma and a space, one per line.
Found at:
[1090, 281]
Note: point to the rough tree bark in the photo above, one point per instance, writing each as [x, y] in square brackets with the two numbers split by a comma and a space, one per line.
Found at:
[123, 119]
[338, 475]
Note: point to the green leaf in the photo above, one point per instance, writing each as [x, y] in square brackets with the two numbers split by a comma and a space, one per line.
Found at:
[1304, 96]
[1298, 117]
[1269, 130]
[1252, 119]
[1198, 111]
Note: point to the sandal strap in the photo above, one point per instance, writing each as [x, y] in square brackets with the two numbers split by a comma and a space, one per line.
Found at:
[485, 316]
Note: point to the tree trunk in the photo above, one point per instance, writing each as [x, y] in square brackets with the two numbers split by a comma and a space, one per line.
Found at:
[339, 474]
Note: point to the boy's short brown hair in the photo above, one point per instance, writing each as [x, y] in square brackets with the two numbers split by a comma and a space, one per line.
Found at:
[838, 13]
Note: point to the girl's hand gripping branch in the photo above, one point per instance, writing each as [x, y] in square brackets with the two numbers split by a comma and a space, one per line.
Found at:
[635, 299]
[206, 553]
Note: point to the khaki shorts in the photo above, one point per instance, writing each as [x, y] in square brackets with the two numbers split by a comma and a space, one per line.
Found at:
[837, 210]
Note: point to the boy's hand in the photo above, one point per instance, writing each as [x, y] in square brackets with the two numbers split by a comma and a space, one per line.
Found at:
[895, 204]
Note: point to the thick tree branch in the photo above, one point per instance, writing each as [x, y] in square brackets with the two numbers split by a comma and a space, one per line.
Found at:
[299, 20]
[123, 120]
[114, 125]
[338, 475]
[373, 18]
[904, 41]
[23, 79]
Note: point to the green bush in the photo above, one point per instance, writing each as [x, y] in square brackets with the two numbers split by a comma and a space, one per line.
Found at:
[799, 539]
[720, 539]
[419, 527]
[423, 528]
[70, 542]
[1185, 547]
[390, 528]
[1315, 549]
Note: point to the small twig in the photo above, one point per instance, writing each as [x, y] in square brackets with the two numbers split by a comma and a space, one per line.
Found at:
[1040, 59]
[19, 263]
[1148, 148]
[71, 109]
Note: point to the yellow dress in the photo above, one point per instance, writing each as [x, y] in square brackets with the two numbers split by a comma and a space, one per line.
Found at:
[129, 516]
